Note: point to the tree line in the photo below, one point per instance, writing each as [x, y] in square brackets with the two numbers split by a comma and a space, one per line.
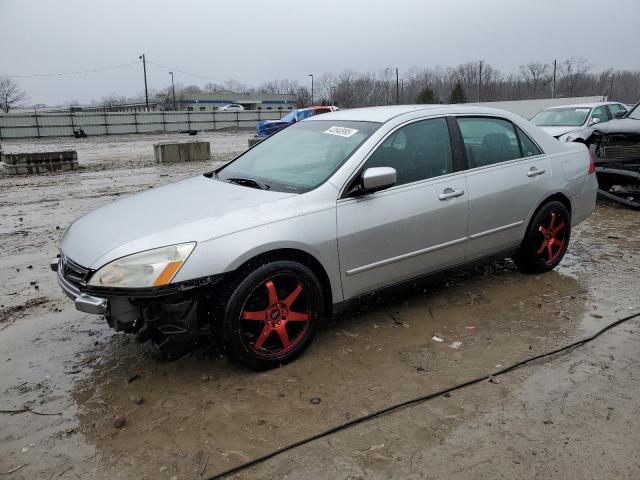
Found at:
[468, 82]
[574, 77]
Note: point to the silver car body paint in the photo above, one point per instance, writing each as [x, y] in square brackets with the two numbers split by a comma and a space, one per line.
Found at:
[362, 243]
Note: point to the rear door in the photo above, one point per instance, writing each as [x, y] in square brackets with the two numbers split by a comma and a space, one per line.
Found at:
[417, 226]
[507, 176]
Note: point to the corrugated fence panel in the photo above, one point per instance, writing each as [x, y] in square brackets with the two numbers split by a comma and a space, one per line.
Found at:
[114, 123]
[121, 118]
[17, 120]
[150, 117]
[54, 120]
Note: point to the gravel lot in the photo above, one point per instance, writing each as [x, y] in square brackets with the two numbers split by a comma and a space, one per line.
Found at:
[572, 416]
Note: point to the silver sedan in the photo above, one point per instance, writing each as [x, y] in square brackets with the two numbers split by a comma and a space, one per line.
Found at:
[257, 252]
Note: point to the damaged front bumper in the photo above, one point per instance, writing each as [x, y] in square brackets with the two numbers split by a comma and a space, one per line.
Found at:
[170, 315]
[83, 302]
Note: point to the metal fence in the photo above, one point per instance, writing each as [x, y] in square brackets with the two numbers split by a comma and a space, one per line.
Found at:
[29, 125]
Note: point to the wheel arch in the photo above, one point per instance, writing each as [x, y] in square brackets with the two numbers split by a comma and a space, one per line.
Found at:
[558, 196]
[296, 255]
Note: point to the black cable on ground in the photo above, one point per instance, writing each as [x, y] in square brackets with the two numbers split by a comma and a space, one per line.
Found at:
[417, 400]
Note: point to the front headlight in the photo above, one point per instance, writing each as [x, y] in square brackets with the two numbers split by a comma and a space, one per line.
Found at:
[145, 269]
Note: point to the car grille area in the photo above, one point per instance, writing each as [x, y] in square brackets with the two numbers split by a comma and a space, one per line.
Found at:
[72, 272]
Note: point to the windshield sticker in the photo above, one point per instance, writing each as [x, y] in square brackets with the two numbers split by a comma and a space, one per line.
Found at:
[341, 131]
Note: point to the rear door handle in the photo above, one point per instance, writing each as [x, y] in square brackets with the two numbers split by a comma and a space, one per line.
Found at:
[534, 171]
[450, 193]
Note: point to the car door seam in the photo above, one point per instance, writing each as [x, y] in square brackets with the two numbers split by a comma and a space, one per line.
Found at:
[404, 256]
[495, 230]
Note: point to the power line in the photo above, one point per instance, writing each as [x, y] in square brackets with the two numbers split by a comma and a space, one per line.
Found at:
[173, 69]
[78, 72]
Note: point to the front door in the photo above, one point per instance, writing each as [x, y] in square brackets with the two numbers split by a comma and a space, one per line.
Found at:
[415, 227]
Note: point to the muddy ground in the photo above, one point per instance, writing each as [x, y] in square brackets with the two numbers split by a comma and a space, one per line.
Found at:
[571, 416]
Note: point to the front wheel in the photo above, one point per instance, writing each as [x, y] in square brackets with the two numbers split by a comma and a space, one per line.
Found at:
[546, 240]
[272, 314]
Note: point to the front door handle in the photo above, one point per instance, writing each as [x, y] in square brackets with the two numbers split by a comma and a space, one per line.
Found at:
[534, 171]
[450, 193]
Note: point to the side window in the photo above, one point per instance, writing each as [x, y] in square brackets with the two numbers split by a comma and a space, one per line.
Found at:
[529, 149]
[615, 108]
[417, 151]
[488, 140]
[600, 113]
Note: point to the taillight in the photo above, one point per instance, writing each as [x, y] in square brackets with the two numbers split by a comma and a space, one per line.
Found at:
[592, 161]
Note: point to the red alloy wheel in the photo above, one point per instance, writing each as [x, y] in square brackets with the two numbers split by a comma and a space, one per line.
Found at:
[276, 317]
[554, 233]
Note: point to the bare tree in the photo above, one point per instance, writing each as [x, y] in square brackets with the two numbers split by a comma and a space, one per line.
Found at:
[164, 98]
[11, 94]
[303, 97]
[534, 74]
[112, 100]
[573, 72]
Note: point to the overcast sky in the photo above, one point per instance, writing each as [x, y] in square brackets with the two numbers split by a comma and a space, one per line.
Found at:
[257, 40]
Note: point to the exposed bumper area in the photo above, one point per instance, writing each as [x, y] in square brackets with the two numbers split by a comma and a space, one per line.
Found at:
[83, 302]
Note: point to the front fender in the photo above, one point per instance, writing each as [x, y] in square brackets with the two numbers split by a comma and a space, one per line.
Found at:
[313, 233]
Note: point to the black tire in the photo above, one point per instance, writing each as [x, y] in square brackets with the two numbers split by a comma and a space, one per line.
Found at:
[259, 315]
[546, 240]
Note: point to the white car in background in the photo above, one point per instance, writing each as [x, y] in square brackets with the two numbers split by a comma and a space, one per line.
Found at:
[231, 107]
[575, 123]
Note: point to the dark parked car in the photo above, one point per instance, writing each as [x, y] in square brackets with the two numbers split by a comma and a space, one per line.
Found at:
[617, 149]
[265, 128]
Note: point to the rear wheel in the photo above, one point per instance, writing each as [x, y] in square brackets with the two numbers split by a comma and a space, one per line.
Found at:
[272, 315]
[546, 240]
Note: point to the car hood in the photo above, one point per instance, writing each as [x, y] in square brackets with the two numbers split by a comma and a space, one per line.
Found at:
[163, 216]
[558, 131]
[622, 125]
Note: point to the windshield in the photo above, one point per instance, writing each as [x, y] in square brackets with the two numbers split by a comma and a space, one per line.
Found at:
[561, 117]
[635, 113]
[298, 158]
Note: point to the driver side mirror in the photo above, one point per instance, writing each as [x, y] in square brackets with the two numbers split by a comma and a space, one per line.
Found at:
[377, 178]
[594, 121]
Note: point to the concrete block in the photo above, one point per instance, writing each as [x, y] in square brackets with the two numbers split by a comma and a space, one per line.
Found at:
[181, 151]
[40, 162]
[255, 140]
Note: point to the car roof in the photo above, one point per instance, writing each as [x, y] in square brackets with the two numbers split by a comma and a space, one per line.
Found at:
[581, 105]
[386, 113]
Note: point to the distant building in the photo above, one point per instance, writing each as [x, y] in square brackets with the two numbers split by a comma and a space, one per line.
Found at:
[125, 107]
[208, 102]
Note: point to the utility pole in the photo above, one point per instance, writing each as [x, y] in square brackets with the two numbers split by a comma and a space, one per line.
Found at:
[173, 89]
[311, 75]
[610, 88]
[479, 80]
[397, 88]
[402, 90]
[553, 85]
[146, 91]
